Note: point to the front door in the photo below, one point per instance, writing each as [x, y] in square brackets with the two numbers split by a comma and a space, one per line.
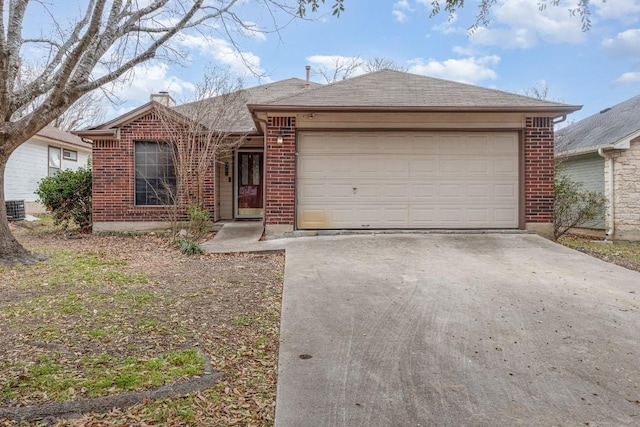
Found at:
[249, 184]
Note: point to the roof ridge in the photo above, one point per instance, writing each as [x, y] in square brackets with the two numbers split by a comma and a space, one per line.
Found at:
[373, 74]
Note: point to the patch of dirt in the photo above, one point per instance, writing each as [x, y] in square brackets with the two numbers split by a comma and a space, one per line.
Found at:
[228, 305]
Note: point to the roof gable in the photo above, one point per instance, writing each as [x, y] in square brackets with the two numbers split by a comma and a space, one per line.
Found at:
[244, 123]
[608, 128]
[390, 89]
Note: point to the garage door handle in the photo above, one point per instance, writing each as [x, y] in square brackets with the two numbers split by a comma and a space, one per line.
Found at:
[355, 189]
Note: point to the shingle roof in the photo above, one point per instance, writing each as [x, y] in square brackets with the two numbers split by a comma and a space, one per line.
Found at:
[605, 128]
[255, 95]
[62, 136]
[397, 89]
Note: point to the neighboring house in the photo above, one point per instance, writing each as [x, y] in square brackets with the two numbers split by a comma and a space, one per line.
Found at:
[44, 154]
[386, 150]
[603, 153]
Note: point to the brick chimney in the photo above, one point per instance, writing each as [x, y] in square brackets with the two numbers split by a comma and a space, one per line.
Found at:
[163, 98]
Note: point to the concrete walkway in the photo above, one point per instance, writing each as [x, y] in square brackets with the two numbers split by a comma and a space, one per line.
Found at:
[241, 236]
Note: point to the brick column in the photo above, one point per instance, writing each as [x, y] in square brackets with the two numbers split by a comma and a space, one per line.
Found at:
[280, 166]
[538, 173]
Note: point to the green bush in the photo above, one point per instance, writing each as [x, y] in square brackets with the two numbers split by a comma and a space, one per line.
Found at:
[189, 247]
[198, 221]
[574, 206]
[67, 195]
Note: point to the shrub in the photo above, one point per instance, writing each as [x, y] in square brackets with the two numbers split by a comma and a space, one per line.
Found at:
[574, 206]
[189, 247]
[67, 195]
[198, 221]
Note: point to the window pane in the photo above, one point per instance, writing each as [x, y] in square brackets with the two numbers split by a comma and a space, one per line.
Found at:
[70, 154]
[256, 169]
[155, 173]
[245, 169]
[54, 160]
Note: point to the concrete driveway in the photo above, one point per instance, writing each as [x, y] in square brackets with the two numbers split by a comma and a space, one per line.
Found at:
[456, 330]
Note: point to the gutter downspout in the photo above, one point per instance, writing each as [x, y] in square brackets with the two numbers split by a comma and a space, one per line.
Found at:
[611, 207]
[560, 119]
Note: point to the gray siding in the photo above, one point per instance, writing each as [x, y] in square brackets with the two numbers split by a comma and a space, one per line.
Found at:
[589, 171]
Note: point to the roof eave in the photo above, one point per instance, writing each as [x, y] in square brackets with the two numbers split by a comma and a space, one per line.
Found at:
[621, 144]
[553, 111]
[583, 151]
[93, 134]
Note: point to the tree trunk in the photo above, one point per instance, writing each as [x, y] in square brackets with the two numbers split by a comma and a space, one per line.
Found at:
[11, 251]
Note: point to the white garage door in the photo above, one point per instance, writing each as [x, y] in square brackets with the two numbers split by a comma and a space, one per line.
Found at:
[372, 180]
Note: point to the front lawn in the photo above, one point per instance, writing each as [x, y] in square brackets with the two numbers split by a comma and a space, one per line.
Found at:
[111, 315]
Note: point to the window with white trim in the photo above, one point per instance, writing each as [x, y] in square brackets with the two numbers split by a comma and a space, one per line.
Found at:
[55, 162]
[70, 155]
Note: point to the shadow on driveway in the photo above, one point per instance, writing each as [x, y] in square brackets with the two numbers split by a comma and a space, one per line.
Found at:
[456, 330]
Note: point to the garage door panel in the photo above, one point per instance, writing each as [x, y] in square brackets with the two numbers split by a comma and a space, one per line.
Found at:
[407, 180]
[396, 191]
[479, 166]
[396, 167]
[506, 191]
[421, 167]
[420, 192]
[505, 166]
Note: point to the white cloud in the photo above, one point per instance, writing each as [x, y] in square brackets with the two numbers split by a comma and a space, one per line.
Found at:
[463, 51]
[400, 9]
[465, 70]
[399, 16]
[151, 78]
[520, 38]
[626, 11]
[224, 52]
[627, 78]
[625, 44]
[521, 24]
[449, 26]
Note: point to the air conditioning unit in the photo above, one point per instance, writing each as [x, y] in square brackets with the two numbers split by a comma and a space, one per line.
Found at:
[15, 210]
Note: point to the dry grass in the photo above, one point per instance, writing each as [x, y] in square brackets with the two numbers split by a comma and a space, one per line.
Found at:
[623, 254]
[111, 314]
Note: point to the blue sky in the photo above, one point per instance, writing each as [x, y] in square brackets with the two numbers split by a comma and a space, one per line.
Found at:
[521, 48]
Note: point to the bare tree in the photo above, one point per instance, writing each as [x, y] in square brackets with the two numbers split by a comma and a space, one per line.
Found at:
[202, 131]
[100, 46]
[539, 91]
[341, 68]
[377, 64]
[87, 111]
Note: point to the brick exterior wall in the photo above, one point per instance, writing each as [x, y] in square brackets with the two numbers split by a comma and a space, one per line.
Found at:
[538, 170]
[114, 176]
[114, 186]
[280, 167]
